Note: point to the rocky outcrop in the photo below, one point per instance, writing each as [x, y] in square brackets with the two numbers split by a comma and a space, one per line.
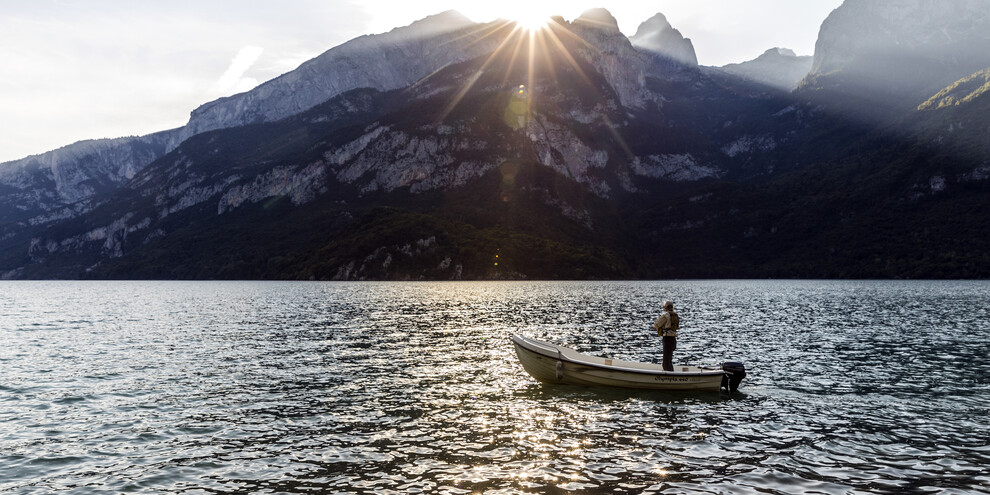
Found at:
[749, 144]
[961, 92]
[110, 238]
[384, 159]
[657, 36]
[674, 167]
[780, 68]
[40, 184]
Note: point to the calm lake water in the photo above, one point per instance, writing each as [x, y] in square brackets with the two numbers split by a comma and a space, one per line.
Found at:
[245, 387]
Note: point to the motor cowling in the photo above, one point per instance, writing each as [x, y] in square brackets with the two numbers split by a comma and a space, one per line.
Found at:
[734, 374]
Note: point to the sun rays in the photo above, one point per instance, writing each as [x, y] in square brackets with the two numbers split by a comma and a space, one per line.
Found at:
[536, 36]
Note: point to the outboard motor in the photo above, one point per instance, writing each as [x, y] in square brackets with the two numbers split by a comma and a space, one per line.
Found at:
[734, 373]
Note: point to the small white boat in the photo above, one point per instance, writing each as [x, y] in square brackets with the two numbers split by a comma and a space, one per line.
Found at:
[553, 364]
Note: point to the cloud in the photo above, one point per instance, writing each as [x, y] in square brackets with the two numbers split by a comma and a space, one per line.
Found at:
[234, 78]
[105, 68]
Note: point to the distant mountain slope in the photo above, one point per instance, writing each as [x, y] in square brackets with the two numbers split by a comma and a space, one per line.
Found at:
[956, 120]
[780, 68]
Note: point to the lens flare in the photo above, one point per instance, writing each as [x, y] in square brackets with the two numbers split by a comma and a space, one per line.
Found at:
[545, 47]
[517, 113]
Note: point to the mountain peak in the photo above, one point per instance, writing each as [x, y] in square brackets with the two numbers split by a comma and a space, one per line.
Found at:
[657, 36]
[600, 18]
[777, 67]
[778, 52]
[446, 21]
[658, 22]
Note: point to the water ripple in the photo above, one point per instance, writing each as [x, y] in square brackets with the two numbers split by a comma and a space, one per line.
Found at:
[854, 387]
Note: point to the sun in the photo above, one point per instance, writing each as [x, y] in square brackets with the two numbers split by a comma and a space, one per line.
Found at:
[530, 19]
[534, 40]
[528, 15]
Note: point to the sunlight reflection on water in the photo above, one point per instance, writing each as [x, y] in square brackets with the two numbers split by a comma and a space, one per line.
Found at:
[217, 387]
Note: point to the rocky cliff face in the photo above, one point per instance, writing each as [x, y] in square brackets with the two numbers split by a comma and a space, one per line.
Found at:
[953, 31]
[36, 187]
[899, 53]
[656, 35]
[625, 68]
[780, 68]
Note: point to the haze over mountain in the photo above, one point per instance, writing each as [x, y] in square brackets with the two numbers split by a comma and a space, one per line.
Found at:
[894, 54]
[777, 67]
[442, 150]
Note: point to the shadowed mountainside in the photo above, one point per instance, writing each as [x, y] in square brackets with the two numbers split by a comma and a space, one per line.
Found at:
[595, 158]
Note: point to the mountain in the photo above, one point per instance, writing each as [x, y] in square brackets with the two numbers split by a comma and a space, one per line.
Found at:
[517, 153]
[656, 35]
[595, 159]
[393, 60]
[780, 68]
[875, 58]
[52, 184]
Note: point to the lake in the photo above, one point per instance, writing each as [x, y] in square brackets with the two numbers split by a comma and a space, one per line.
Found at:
[269, 387]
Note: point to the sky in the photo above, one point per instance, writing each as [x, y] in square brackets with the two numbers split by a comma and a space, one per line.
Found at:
[88, 69]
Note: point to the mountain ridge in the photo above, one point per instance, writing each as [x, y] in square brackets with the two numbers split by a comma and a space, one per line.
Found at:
[608, 161]
[134, 152]
[780, 68]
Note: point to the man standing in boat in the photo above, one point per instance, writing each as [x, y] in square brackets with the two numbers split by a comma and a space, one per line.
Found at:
[666, 327]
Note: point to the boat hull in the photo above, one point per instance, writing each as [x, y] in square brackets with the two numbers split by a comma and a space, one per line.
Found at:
[554, 364]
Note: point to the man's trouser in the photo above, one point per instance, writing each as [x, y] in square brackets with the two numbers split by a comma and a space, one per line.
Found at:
[669, 344]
